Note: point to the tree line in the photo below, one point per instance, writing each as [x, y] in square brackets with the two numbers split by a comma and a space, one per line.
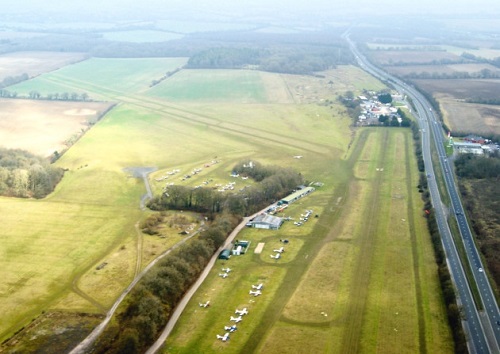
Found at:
[164, 77]
[481, 100]
[458, 75]
[274, 182]
[443, 61]
[12, 80]
[25, 175]
[57, 96]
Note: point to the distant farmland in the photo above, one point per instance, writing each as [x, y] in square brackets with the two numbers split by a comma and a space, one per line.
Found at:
[35, 63]
[467, 117]
[431, 66]
[43, 127]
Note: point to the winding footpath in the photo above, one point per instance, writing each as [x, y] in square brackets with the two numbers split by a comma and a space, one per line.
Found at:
[84, 345]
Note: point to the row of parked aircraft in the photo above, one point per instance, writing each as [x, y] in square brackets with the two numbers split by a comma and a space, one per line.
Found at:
[225, 272]
[255, 291]
[233, 328]
[303, 218]
[278, 253]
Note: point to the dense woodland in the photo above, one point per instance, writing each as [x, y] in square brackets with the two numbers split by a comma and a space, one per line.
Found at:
[25, 175]
[479, 178]
[286, 59]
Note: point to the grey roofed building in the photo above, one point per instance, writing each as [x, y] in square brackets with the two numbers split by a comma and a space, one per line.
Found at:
[266, 221]
[296, 195]
[466, 147]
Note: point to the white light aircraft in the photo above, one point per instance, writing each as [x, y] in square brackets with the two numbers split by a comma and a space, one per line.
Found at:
[223, 275]
[258, 286]
[223, 338]
[236, 319]
[206, 304]
[230, 328]
[227, 270]
[276, 256]
[280, 250]
[255, 293]
[241, 312]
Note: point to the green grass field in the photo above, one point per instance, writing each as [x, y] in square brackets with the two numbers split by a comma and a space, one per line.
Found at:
[243, 86]
[91, 217]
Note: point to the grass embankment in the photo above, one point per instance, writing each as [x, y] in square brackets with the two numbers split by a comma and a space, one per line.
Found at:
[361, 277]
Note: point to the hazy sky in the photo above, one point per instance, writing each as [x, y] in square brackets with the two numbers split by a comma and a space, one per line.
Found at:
[278, 8]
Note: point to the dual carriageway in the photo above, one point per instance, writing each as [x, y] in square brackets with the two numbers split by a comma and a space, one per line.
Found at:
[481, 325]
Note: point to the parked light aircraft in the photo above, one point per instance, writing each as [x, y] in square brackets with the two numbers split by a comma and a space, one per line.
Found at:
[255, 293]
[241, 312]
[236, 319]
[227, 270]
[276, 256]
[223, 275]
[280, 250]
[230, 328]
[223, 338]
[206, 304]
[258, 286]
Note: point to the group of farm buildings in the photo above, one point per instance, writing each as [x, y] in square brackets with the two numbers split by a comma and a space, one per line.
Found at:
[472, 144]
[372, 109]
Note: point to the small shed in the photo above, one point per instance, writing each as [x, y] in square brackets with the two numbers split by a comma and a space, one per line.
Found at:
[225, 254]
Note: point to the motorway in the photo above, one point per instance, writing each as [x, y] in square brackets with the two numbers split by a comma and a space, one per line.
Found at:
[481, 327]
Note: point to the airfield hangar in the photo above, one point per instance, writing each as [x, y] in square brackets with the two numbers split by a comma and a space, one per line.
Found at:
[266, 221]
[296, 195]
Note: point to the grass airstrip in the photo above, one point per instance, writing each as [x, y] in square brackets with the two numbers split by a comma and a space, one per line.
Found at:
[359, 277]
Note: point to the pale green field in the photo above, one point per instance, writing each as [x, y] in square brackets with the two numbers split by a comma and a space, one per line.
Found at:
[140, 36]
[101, 78]
[367, 282]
